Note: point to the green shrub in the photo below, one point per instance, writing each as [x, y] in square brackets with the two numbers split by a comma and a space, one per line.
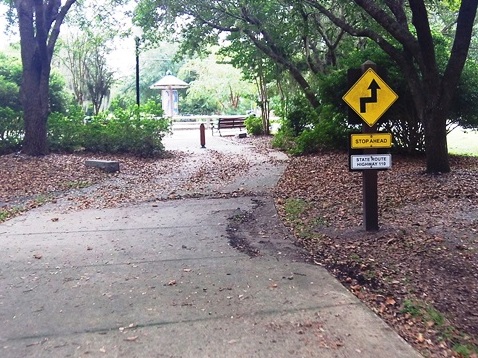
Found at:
[66, 132]
[330, 131]
[11, 130]
[300, 116]
[284, 139]
[132, 130]
[254, 125]
[327, 134]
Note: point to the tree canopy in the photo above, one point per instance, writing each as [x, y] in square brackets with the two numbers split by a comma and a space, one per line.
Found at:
[306, 38]
[39, 24]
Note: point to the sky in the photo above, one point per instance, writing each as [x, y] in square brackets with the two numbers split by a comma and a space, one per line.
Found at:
[4, 38]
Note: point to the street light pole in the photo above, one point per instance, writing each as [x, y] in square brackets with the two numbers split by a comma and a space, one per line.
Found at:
[137, 70]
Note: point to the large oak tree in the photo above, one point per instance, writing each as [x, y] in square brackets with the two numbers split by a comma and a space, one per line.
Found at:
[294, 34]
[39, 23]
[39, 26]
[403, 30]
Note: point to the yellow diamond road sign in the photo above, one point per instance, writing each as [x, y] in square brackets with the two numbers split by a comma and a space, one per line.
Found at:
[370, 97]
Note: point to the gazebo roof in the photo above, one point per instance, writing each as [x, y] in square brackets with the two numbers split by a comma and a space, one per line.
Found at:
[169, 82]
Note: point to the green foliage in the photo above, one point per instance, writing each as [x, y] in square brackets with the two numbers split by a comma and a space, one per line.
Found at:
[122, 100]
[465, 106]
[254, 125]
[215, 87]
[11, 124]
[283, 139]
[402, 119]
[11, 121]
[295, 209]
[203, 105]
[132, 130]
[300, 116]
[59, 98]
[305, 130]
[11, 130]
[66, 132]
[329, 133]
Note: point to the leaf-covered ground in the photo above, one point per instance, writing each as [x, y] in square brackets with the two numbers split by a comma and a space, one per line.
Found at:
[27, 182]
[420, 270]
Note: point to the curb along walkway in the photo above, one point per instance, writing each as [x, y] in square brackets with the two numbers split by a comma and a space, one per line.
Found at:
[164, 280]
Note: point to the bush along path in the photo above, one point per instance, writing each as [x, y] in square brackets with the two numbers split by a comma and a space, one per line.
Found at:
[420, 270]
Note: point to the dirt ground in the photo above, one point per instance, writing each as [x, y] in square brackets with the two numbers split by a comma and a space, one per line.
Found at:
[419, 271]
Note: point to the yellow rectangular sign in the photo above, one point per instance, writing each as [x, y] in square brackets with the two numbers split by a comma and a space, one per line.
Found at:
[370, 140]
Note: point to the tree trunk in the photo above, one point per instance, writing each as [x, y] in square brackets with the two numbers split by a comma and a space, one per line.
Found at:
[436, 149]
[35, 87]
[39, 26]
[35, 77]
[264, 101]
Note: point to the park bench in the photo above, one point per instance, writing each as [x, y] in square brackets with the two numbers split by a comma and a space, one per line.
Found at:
[228, 123]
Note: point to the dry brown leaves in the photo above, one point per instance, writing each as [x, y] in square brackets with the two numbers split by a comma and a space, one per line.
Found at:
[24, 176]
[26, 182]
[424, 253]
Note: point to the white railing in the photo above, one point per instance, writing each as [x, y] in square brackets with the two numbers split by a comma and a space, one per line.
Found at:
[194, 121]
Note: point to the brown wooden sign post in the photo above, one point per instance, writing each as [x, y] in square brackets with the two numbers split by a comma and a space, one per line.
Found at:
[369, 98]
[370, 189]
[202, 135]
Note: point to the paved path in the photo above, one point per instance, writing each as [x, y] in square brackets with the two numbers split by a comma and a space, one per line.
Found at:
[164, 280]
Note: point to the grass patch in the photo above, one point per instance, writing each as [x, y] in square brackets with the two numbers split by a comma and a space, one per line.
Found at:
[3, 215]
[9, 213]
[433, 318]
[411, 308]
[77, 184]
[300, 214]
[295, 209]
[463, 142]
[465, 350]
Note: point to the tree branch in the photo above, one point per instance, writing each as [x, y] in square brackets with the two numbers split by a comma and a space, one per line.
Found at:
[394, 28]
[397, 8]
[55, 31]
[460, 48]
[428, 63]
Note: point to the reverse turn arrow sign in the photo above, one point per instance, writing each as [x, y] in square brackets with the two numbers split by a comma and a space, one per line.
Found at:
[370, 97]
[374, 87]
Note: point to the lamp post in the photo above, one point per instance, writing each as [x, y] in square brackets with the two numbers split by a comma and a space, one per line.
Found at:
[136, 39]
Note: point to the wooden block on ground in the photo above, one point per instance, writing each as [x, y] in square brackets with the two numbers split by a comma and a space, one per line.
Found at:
[109, 166]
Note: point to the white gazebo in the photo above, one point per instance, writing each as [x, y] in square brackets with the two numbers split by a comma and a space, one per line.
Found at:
[169, 95]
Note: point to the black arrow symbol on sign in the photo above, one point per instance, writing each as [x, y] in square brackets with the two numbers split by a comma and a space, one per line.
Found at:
[372, 99]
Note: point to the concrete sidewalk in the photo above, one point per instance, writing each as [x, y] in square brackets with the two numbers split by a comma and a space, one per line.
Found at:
[164, 280]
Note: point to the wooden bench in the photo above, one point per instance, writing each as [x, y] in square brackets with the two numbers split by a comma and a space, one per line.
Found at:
[228, 123]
